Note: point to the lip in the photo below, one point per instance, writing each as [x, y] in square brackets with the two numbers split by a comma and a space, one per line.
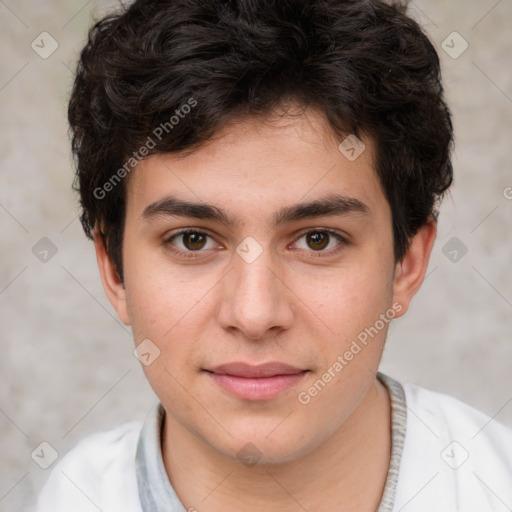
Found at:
[240, 369]
[256, 382]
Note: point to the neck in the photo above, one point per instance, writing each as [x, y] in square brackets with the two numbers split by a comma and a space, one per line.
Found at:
[347, 472]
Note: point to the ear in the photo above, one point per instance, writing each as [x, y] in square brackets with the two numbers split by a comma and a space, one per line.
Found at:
[410, 272]
[112, 284]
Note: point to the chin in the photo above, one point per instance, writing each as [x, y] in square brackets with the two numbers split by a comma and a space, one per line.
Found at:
[258, 447]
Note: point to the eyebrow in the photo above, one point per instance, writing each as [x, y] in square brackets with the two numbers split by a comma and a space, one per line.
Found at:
[329, 206]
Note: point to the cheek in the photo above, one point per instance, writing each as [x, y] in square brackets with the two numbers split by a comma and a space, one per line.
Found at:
[162, 312]
[157, 294]
[351, 298]
[171, 308]
[357, 308]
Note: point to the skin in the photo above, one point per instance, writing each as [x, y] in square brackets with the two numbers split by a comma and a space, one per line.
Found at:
[295, 303]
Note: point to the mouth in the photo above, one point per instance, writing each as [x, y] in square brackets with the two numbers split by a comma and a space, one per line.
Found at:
[256, 382]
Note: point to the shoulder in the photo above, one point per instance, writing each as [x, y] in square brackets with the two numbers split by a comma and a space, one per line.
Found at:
[450, 417]
[98, 473]
[448, 411]
[455, 456]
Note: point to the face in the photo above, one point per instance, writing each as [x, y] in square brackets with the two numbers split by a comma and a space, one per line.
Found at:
[274, 304]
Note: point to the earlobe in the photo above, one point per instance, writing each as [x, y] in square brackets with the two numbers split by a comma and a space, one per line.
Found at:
[410, 272]
[112, 284]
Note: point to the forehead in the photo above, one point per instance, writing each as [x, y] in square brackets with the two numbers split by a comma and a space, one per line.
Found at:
[256, 166]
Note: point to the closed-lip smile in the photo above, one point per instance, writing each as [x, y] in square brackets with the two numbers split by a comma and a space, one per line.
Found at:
[256, 382]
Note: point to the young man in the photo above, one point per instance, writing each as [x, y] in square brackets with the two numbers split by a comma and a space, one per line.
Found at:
[261, 179]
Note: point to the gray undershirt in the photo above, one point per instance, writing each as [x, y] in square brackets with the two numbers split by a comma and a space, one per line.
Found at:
[157, 494]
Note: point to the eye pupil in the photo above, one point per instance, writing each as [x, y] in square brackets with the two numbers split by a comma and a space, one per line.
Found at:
[194, 241]
[318, 239]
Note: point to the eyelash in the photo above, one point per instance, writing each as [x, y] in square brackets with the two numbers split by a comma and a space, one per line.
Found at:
[194, 254]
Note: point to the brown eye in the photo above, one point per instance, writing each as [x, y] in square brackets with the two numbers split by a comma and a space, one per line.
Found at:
[318, 240]
[191, 241]
[194, 241]
[321, 241]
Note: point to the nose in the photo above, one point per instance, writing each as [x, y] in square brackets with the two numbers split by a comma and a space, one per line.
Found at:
[256, 298]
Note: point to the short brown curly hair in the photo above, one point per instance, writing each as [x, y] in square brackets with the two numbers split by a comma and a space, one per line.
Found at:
[364, 63]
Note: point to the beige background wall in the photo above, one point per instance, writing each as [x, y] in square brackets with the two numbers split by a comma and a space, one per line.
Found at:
[66, 364]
